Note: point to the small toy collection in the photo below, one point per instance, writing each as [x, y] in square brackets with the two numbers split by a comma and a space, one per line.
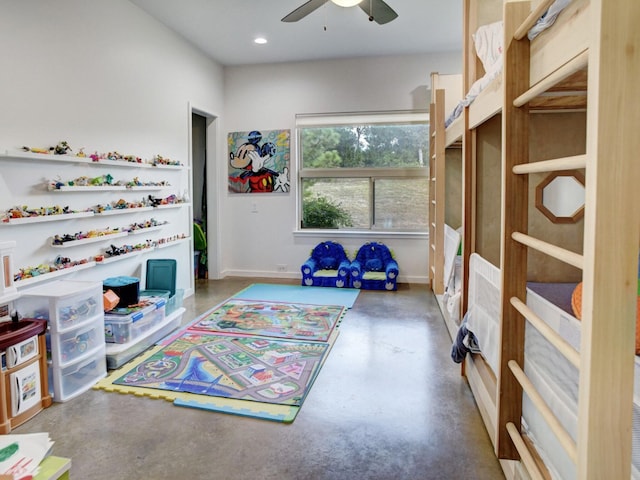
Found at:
[103, 181]
[23, 211]
[68, 237]
[59, 263]
[63, 148]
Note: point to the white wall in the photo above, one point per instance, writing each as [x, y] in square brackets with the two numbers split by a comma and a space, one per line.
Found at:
[267, 97]
[101, 75]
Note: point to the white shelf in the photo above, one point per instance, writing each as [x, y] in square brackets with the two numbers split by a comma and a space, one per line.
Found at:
[47, 218]
[125, 256]
[172, 243]
[108, 188]
[172, 205]
[51, 157]
[48, 276]
[142, 231]
[121, 211]
[83, 241]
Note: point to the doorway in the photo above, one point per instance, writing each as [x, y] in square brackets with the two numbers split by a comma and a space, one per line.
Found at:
[200, 178]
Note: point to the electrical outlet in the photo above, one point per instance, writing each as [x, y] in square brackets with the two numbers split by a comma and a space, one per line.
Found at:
[281, 267]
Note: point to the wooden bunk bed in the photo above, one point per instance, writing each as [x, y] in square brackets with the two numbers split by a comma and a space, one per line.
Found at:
[445, 214]
[516, 119]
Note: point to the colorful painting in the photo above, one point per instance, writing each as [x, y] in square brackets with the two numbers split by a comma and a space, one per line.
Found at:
[248, 368]
[259, 161]
[272, 319]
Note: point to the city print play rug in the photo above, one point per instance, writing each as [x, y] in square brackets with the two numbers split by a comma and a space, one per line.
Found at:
[252, 358]
[241, 367]
[272, 319]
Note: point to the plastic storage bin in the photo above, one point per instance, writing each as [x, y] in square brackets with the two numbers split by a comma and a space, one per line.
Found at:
[65, 303]
[72, 380]
[161, 275]
[120, 353]
[126, 328]
[71, 344]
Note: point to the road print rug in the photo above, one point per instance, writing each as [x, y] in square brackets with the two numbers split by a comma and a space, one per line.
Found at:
[259, 369]
[272, 319]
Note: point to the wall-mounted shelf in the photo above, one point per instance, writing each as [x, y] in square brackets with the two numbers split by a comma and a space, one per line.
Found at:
[172, 243]
[84, 241]
[121, 211]
[108, 188]
[142, 231]
[46, 218]
[69, 216]
[124, 256]
[49, 157]
[48, 276]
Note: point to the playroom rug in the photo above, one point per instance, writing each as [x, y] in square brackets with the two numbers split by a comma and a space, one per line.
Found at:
[271, 319]
[241, 374]
[300, 294]
[247, 368]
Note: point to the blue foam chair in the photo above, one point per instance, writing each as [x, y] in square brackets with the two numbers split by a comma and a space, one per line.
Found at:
[374, 268]
[327, 266]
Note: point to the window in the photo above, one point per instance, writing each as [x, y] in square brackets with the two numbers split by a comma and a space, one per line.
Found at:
[364, 172]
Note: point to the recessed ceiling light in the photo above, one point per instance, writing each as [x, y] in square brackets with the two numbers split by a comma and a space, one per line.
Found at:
[260, 40]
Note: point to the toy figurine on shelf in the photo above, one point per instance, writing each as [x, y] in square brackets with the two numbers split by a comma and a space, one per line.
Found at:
[62, 148]
[37, 150]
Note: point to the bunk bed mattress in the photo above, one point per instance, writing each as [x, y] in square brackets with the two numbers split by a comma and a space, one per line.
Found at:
[557, 380]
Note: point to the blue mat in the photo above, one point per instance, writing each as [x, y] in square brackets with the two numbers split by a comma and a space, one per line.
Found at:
[300, 294]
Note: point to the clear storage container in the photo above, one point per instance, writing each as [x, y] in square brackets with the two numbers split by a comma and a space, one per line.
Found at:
[65, 303]
[121, 328]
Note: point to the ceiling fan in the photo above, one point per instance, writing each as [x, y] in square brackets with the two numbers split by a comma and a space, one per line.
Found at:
[377, 10]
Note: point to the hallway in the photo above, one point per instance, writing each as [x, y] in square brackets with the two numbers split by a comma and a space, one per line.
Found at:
[388, 404]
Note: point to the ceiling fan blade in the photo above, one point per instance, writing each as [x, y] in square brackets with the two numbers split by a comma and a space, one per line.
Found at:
[379, 10]
[304, 10]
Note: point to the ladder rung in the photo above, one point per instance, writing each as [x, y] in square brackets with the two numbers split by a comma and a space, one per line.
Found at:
[564, 163]
[547, 332]
[525, 455]
[554, 251]
[531, 20]
[568, 69]
[556, 427]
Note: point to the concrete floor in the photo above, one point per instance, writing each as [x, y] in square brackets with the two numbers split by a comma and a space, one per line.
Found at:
[388, 404]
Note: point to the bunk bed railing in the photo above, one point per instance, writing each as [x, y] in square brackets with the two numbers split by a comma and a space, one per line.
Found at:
[555, 165]
[526, 457]
[562, 254]
[531, 20]
[547, 332]
[573, 66]
[563, 436]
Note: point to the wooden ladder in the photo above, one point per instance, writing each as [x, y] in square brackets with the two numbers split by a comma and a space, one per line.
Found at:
[610, 250]
[436, 191]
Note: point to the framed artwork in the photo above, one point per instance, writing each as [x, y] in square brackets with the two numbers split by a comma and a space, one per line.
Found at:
[259, 161]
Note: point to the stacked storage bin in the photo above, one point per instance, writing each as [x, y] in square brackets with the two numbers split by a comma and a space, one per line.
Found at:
[75, 338]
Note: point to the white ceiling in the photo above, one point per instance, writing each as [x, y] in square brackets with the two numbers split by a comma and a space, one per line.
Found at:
[225, 29]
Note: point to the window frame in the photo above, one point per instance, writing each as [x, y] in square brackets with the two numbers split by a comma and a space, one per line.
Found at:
[376, 173]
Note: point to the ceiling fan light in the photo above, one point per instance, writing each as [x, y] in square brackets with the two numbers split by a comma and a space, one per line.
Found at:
[346, 3]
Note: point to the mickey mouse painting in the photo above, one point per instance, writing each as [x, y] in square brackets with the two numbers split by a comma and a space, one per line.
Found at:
[259, 167]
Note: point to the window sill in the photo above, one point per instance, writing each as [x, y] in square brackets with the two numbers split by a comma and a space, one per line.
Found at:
[324, 233]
